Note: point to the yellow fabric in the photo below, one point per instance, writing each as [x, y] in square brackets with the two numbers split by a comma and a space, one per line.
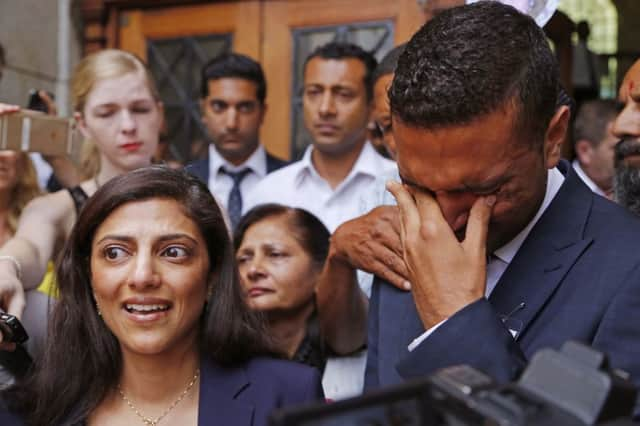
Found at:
[48, 285]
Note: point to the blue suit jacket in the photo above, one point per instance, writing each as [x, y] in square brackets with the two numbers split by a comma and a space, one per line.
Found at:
[246, 395]
[200, 168]
[578, 274]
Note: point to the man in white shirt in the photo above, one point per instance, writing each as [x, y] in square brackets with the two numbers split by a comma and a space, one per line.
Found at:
[338, 169]
[507, 251]
[233, 107]
[340, 164]
[594, 145]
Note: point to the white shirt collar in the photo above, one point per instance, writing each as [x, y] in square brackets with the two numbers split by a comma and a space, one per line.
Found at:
[257, 162]
[368, 163]
[507, 252]
[586, 179]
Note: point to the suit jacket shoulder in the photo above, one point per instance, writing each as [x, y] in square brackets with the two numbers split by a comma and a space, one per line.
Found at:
[199, 169]
[576, 276]
[274, 163]
[246, 395]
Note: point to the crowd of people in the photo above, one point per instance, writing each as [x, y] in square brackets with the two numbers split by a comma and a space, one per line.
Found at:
[432, 221]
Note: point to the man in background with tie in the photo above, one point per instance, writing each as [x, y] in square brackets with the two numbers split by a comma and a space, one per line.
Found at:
[233, 108]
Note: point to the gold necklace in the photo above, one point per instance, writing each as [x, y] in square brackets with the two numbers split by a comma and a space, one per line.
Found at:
[154, 422]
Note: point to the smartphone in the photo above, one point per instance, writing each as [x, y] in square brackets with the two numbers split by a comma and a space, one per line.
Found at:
[36, 103]
[11, 329]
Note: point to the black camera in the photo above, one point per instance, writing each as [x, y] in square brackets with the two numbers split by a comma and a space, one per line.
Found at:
[570, 387]
[11, 329]
[18, 361]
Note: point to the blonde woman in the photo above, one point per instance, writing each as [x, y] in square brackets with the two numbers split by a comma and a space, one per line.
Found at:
[118, 109]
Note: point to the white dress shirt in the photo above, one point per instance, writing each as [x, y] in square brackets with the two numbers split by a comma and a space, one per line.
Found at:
[220, 184]
[503, 256]
[586, 179]
[300, 185]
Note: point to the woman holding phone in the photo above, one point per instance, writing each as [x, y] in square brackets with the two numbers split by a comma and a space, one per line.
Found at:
[117, 108]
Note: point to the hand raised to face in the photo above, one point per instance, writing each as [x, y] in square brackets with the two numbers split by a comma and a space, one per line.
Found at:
[372, 243]
[446, 274]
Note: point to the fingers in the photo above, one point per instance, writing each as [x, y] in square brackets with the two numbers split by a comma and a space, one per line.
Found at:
[6, 108]
[433, 222]
[391, 267]
[409, 216]
[16, 304]
[52, 109]
[478, 224]
[381, 270]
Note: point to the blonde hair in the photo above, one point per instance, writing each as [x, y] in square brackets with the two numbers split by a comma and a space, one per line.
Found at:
[109, 63]
[26, 189]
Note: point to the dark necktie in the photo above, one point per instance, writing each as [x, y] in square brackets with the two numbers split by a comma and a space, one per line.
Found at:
[234, 204]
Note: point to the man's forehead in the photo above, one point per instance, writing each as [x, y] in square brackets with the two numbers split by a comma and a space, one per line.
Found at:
[630, 86]
[233, 88]
[334, 72]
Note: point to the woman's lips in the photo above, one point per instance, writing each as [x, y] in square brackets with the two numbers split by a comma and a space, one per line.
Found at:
[145, 310]
[131, 146]
[258, 291]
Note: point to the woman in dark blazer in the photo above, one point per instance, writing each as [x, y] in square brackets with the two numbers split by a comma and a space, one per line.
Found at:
[150, 327]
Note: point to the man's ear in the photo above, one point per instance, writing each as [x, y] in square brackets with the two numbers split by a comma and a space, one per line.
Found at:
[556, 135]
[584, 152]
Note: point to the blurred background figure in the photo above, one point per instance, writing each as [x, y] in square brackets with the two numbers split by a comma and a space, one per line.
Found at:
[151, 326]
[594, 145]
[380, 125]
[280, 252]
[627, 129]
[18, 186]
[586, 69]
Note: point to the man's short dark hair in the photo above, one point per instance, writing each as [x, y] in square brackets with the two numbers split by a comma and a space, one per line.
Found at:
[234, 65]
[389, 63]
[340, 50]
[592, 120]
[472, 60]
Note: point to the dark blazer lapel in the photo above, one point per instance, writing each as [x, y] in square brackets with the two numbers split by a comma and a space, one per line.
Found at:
[219, 388]
[553, 246]
[274, 163]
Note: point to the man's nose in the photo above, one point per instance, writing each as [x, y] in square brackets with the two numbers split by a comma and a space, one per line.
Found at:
[231, 119]
[327, 104]
[455, 208]
[627, 123]
[144, 274]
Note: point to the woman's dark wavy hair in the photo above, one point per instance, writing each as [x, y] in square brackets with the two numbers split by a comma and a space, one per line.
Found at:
[307, 229]
[83, 360]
